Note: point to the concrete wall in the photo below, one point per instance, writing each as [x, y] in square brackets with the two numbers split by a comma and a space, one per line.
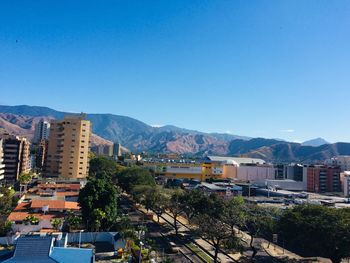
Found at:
[255, 173]
[24, 229]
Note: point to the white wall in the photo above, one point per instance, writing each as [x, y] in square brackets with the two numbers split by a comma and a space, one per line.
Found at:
[255, 173]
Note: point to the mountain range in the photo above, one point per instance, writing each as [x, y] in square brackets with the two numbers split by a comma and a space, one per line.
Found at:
[139, 136]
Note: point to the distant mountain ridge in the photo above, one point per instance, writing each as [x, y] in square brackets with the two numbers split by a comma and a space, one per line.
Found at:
[138, 136]
[315, 142]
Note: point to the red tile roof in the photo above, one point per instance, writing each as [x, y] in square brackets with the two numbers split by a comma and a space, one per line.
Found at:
[22, 206]
[55, 204]
[20, 216]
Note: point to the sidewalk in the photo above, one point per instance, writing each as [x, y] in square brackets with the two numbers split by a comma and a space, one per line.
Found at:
[278, 252]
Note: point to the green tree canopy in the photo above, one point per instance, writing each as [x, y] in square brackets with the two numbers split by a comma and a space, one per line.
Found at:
[25, 178]
[98, 193]
[6, 198]
[217, 232]
[193, 203]
[130, 177]
[102, 164]
[5, 227]
[314, 230]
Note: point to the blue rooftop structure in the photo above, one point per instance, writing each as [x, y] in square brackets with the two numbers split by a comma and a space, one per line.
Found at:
[78, 255]
[38, 249]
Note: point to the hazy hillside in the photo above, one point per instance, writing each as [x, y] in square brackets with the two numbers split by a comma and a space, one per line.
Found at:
[138, 136]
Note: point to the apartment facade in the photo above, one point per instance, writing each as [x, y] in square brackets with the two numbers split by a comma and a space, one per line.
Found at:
[16, 156]
[68, 148]
[41, 132]
[321, 178]
[2, 165]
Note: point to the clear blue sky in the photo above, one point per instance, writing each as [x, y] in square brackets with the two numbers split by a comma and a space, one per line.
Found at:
[277, 69]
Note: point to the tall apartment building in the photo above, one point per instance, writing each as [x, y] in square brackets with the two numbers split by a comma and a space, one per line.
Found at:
[103, 149]
[117, 151]
[16, 156]
[41, 132]
[322, 178]
[68, 148]
[2, 165]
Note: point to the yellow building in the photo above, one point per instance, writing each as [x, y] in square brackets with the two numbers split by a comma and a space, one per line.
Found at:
[197, 171]
[68, 148]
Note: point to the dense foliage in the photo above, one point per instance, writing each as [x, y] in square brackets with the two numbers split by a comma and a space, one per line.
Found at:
[314, 230]
[128, 178]
[6, 200]
[100, 165]
[98, 202]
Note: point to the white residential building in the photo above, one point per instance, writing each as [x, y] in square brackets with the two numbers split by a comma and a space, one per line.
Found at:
[42, 130]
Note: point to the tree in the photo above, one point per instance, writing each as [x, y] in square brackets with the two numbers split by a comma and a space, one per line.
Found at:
[314, 230]
[125, 228]
[25, 178]
[175, 207]
[103, 164]
[144, 194]
[5, 227]
[97, 218]
[217, 232]
[99, 195]
[193, 203]
[160, 203]
[254, 221]
[233, 213]
[129, 177]
[6, 198]
[57, 223]
[73, 221]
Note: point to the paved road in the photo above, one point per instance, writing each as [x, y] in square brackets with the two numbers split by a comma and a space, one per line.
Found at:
[161, 235]
[203, 243]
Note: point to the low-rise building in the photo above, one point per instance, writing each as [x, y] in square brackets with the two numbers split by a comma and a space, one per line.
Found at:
[42, 249]
[45, 203]
[223, 190]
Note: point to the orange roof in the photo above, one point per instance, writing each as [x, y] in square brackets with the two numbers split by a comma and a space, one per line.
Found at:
[67, 193]
[20, 216]
[22, 206]
[55, 204]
